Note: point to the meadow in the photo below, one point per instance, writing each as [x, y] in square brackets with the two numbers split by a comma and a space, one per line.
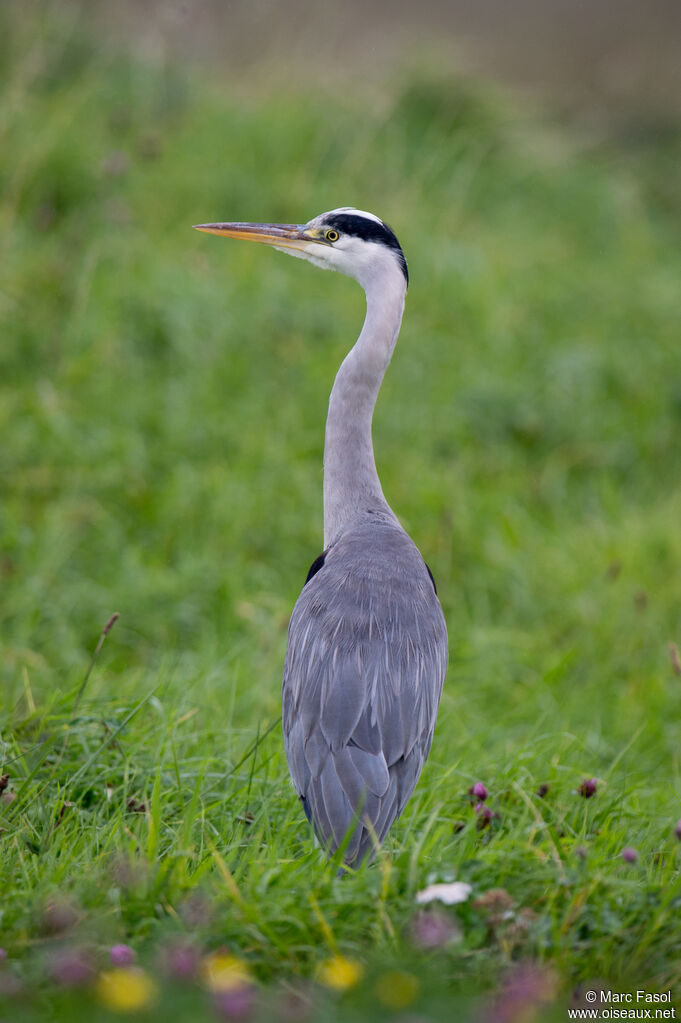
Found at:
[162, 400]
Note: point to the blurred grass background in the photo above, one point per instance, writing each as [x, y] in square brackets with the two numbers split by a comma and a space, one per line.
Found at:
[162, 398]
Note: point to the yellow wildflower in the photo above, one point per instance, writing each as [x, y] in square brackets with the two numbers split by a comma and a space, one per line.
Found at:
[224, 972]
[340, 973]
[397, 989]
[126, 989]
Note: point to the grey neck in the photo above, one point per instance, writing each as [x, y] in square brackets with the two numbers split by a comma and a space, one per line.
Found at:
[352, 489]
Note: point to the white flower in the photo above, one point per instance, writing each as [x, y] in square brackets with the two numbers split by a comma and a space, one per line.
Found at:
[450, 894]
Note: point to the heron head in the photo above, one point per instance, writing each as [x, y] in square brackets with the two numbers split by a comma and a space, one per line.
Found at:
[351, 241]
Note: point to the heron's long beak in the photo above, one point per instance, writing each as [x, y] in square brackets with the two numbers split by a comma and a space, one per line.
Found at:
[283, 236]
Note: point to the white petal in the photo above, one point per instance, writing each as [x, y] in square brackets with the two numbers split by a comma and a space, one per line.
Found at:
[457, 891]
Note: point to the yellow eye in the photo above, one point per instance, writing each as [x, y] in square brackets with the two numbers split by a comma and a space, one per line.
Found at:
[331, 235]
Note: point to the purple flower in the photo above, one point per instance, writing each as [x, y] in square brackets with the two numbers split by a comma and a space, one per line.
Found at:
[588, 788]
[478, 791]
[629, 855]
[59, 915]
[530, 984]
[526, 990]
[180, 960]
[235, 1003]
[122, 955]
[485, 815]
[196, 910]
[582, 852]
[70, 967]
[294, 1005]
[3, 955]
[432, 929]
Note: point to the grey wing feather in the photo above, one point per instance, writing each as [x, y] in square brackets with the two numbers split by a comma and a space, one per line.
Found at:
[365, 664]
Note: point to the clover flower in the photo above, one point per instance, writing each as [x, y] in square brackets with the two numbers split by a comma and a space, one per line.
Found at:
[294, 1004]
[59, 914]
[126, 989]
[70, 967]
[397, 989]
[485, 816]
[121, 955]
[588, 788]
[527, 990]
[450, 894]
[479, 792]
[431, 928]
[180, 960]
[339, 973]
[221, 971]
[235, 1003]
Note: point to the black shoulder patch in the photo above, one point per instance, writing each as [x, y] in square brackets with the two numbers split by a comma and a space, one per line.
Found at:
[429, 573]
[316, 565]
[370, 231]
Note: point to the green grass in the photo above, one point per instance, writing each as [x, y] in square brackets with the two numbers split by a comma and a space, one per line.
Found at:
[161, 412]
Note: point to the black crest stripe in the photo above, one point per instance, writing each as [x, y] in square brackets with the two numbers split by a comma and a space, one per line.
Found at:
[370, 231]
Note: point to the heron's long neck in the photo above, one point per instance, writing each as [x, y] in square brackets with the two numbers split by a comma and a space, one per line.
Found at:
[351, 484]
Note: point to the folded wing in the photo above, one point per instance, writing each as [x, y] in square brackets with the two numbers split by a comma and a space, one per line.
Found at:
[365, 664]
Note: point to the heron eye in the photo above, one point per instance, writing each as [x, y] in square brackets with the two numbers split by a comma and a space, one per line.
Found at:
[331, 235]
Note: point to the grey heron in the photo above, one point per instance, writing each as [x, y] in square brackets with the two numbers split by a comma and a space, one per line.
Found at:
[367, 641]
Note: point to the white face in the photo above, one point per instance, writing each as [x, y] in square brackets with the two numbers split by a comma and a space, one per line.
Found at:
[346, 252]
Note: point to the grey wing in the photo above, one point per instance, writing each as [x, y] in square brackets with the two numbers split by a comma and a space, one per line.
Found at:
[365, 664]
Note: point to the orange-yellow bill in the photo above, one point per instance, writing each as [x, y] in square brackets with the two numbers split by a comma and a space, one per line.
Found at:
[289, 236]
